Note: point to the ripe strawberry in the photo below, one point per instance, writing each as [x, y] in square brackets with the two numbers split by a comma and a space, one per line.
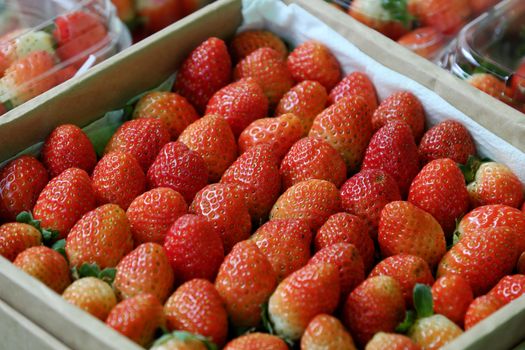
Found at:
[425, 41]
[311, 200]
[157, 14]
[194, 248]
[440, 190]
[197, 307]
[375, 305]
[16, 237]
[212, 138]
[406, 229]
[137, 318]
[305, 100]
[256, 173]
[346, 127]
[391, 341]
[448, 139]
[92, 295]
[285, 243]
[249, 41]
[452, 296]
[151, 214]
[245, 281]
[143, 138]
[279, 132]
[68, 147]
[509, 288]
[46, 265]
[21, 181]
[260, 341]
[392, 149]
[182, 340]
[205, 71]
[434, 332]
[446, 16]
[180, 169]
[355, 84]
[481, 308]
[267, 67]
[392, 22]
[101, 237]
[366, 193]
[173, 109]
[240, 103]
[64, 200]
[326, 332]
[490, 85]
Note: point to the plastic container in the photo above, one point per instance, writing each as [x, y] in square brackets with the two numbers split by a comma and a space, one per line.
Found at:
[45, 42]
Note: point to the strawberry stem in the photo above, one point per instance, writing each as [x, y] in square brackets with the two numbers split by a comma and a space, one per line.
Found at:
[60, 246]
[398, 11]
[93, 270]
[410, 318]
[423, 302]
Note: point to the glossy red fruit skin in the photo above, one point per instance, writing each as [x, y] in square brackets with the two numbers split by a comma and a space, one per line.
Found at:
[68, 147]
[452, 296]
[16, 237]
[509, 288]
[257, 341]
[194, 248]
[205, 71]
[179, 168]
[481, 308]
[247, 42]
[355, 83]
[21, 181]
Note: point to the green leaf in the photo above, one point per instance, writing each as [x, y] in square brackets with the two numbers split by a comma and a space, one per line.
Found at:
[60, 246]
[108, 275]
[266, 322]
[423, 300]
[24, 217]
[183, 335]
[398, 11]
[88, 270]
[470, 168]
[49, 236]
[410, 318]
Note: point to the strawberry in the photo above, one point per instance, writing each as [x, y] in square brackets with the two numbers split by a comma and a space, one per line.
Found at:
[366, 193]
[249, 41]
[305, 100]
[157, 14]
[245, 281]
[16, 237]
[311, 200]
[434, 332]
[312, 158]
[143, 138]
[101, 237]
[452, 296]
[312, 60]
[346, 127]
[279, 132]
[481, 308]
[479, 6]
[403, 106]
[182, 340]
[197, 307]
[205, 71]
[326, 332]
[392, 149]
[179, 168]
[440, 190]
[21, 181]
[406, 229]
[260, 341]
[391, 341]
[137, 318]
[267, 67]
[375, 305]
[520, 266]
[389, 18]
[448, 139]
[355, 84]
[256, 173]
[490, 85]
[444, 15]
[46, 265]
[240, 103]
[151, 214]
[92, 295]
[212, 138]
[509, 288]
[64, 200]
[306, 293]
[173, 109]
[427, 42]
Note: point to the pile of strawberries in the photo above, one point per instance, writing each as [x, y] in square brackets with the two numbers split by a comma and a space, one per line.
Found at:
[285, 206]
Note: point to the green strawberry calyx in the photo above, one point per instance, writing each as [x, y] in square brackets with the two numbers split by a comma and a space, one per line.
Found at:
[184, 336]
[93, 270]
[410, 319]
[423, 304]
[470, 169]
[48, 235]
[268, 326]
[398, 11]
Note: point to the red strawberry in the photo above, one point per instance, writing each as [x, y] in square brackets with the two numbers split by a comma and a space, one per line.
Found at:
[311, 200]
[326, 332]
[444, 15]
[406, 229]
[143, 138]
[64, 200]
[375, 305]
[16, 237]
[137, 318]
[157, 14]
[46, 265]
[100, 237]
[212, 138]
[247, 42]
[245, 281]
[390, 22]
[425, 41]
[240, 103]
[151, 214]
[68, 147]
[390, 341]
[197, 307]
[490, 85]
[452, 296]
[481, 308]
[312, 158]
[366, 193]
[509, 288]
[21, 181]
[92, 295]
[305, 100]
[173, 109]
[279, 132]
[205, 71]
[312, 60]
[434, 332]
[392, 149]
[355, 84]
[256, 173]
[448, 139]
[180, 169]
[346, 127]
[260, 341]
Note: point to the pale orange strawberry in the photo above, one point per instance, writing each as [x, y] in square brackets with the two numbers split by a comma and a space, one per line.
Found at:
[247, 42]
[326, 332]
[391, 341]
[509, 288]
[489, 84]
[182, 340]
[92, 295]
[452, 296]
[16, 237]
[261, 341]
[355, 84]
[434, 332]
[374, 15]
[481, 308]
[425, 41]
